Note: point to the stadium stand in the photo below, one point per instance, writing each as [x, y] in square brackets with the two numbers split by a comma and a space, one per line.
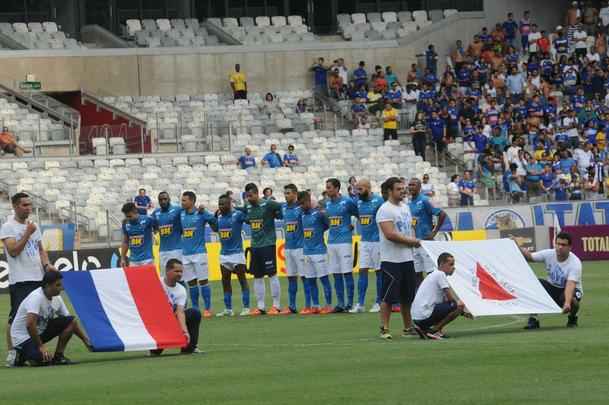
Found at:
[36, 35]
[168, 33]
[265, 30]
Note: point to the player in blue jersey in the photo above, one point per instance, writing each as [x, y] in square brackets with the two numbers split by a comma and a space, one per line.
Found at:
[137, 237]
[167, 223]
[339, 210]
[423, 212]
[294, 261]
[314, 224]
[228, 225]
[194, 252]
[369, 251]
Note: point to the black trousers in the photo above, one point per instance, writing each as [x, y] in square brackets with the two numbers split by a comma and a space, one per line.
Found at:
[193, 321]
[419, 141]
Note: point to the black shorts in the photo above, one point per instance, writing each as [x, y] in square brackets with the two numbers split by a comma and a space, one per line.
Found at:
[390, 134]
[29, 351]
[263, 261]
[240, 95]
[440, 311]
[18, 292]
[557, 293]
[399, 283]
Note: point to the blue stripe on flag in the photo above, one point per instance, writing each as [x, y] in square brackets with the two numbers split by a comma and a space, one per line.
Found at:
[80, 288]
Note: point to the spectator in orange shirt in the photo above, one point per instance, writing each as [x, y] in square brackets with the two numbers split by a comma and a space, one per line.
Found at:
[475, 48]
[336, 85]
[380, 84]
[8, 143]
[543, 43]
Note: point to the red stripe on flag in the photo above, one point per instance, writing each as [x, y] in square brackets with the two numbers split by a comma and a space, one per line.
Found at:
[154, 308]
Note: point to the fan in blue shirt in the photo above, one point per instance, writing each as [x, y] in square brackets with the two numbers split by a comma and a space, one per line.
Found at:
[272, 158]
[246, 161]
[142, 202]
[193, 249]
[314, 224]
[229, 225]
[167, 223]
[339, 210]
[137, 237]
[360, 76]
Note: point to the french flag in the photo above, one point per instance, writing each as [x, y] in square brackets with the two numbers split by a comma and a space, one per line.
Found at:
[124, 309]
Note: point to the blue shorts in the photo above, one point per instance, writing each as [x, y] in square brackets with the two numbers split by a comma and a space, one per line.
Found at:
[29, 351]
[440, 311]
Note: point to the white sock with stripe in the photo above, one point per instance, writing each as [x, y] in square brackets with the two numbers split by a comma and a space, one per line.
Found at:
[259, 290]
[275, 291]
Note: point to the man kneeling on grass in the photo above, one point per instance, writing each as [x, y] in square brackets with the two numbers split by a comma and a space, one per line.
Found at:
[189, 319]
[435, 305]
[41, 317]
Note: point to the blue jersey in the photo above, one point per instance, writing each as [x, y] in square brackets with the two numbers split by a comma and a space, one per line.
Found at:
[292, 226]
[169, 226]
[193, 231]
[339, 214]
[139, 238]
[422, 215]
[314, 224]
[229, 231]
[367, 217]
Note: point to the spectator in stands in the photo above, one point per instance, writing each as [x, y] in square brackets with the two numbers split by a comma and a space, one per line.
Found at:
[343, 71]
[390, 77]
[394, 95]
[452, 190]
[8, 144]
[359, 113]
[525, 29]
[431, 59]
[142, 202]
[515, 184]
[246, 161]
[238, 83]
[419, 134]
[301, 106]
[290, 159]
[336, 85]
[269, 107]
[320, 72]
[375, 101]
[534, 171]
[390, 122]
[510, 27]
[272, 159]
[427, 188]
[360, 76]
[267, 194]
[411, 99]
[467, 189]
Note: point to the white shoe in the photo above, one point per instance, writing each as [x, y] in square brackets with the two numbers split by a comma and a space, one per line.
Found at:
[357, 309]
[11, 357]
[245, 312]
[226, 312]
[375, 308]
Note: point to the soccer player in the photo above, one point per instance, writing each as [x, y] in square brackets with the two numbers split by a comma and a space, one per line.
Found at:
[564, 281]
[340, 237]
[26, 257]
[167, 222]
[229, 224]
[369, 254]
[397, 261]
[434, 305]
[315, 223]
[41, 317]
[423, 212]
[194, 252]
[189, 319]
[260, 215]
[137, 237]
[294, 260]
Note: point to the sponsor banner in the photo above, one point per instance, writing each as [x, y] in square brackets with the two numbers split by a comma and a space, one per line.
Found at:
[524, 237]
[590, 242]
[567, 213]
[492, 278]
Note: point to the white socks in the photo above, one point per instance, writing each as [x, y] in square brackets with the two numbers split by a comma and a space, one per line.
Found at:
[260, 291]
[275, 290]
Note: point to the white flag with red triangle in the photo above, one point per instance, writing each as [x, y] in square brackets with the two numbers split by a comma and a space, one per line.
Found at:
[492, 278]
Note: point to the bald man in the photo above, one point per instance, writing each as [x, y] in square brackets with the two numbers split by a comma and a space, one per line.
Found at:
[368, 204]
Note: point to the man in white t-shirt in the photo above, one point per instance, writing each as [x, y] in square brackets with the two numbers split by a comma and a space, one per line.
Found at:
[435, 306]
[189, 319]
[41, 317]
[564, 280]
[27, 259]
[534, 36]
[397, 260]
[580, 37]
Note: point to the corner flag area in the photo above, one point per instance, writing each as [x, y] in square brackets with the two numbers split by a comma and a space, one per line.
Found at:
[339, 359]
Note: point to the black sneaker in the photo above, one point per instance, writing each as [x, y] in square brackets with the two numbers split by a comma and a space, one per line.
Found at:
[62, 360]
[338, 310]
[532, 324]
[419, 331]
[572, 322]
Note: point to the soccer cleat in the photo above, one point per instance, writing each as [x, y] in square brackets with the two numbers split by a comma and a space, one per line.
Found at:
[274, 311]
[11, 358]
[194, 350]
[245, 312]
[207, 314]
[314, 311]
[375, 308]
[433, 335]
[306, 311]
[257, 311]
[572, 322]
[226, 312]
[338, 310]
[419, 331]
[326, 310]
[385, 335]
[288, 311]
[357, 309]
[532, 324]
[61, 360]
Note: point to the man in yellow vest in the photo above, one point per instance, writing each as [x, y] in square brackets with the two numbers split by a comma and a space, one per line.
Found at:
[390, 122]
[238, 83]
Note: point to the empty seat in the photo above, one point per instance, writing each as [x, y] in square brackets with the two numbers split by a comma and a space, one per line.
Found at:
[279, 21]
[374, 17]
[50, 26]
[133, 26]
[390, 16]
[149, 25]
[20, 27]
[358, 18]
[436, 15]
[247, 21]
[343, 20]
[419, 15]
[450, 11]
[163, 24]
[404, 16]
[35, 27]
[192, 23]
[230, 22]
[178, 23]
[295, 20]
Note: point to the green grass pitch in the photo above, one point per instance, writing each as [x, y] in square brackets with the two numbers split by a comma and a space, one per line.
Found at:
[339, 359]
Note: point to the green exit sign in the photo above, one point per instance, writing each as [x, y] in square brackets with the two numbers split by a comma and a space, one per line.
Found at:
[30, 85]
